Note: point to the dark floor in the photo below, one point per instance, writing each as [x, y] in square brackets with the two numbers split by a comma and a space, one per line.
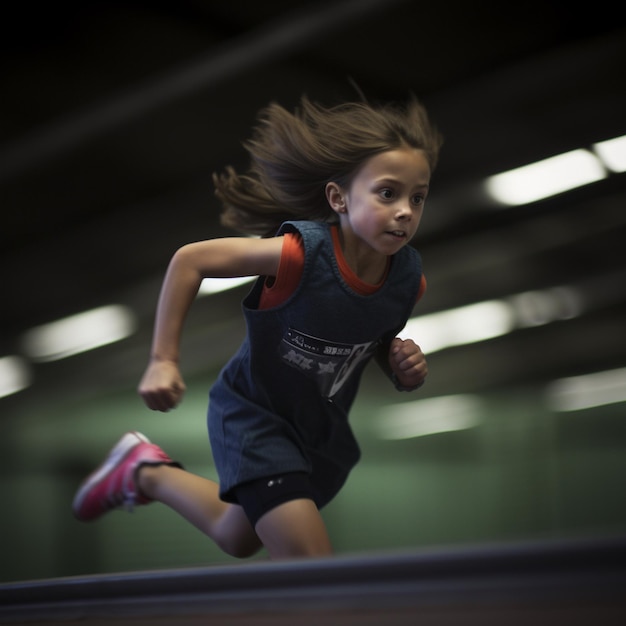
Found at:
[569, 583]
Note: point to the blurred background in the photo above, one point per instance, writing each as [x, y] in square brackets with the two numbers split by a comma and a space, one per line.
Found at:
[112, 118]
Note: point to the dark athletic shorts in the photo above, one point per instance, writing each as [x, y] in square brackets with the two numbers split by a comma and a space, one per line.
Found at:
[258, 497]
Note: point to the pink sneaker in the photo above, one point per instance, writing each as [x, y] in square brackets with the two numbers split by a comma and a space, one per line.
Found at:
[112, 484]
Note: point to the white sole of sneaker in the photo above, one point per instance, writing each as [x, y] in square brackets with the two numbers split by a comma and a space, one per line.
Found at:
[118, 453]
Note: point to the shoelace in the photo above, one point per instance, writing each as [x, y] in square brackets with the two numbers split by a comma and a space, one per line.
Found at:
[122, 499]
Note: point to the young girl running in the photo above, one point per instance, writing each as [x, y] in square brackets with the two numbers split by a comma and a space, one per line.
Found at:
[336, 193]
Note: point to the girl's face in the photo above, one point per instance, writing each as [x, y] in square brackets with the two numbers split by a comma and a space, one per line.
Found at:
[382, 208]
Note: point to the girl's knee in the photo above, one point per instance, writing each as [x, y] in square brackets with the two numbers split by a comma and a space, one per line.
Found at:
[235, 536]
[239, 548]
[294, 529]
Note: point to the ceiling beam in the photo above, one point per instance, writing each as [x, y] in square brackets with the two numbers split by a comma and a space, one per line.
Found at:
[274, 39]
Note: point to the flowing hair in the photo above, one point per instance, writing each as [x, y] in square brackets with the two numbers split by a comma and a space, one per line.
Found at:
[294, 155]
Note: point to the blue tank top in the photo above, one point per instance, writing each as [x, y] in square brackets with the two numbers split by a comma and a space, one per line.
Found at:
[281, 403]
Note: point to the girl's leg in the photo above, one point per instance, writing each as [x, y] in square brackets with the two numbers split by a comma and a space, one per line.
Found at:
[294, 529]
[136, 471]
[197, 500]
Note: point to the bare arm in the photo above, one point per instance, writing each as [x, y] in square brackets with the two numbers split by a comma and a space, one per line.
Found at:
[162, 386]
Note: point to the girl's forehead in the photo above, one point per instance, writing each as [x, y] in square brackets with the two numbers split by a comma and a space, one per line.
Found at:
[406, 164]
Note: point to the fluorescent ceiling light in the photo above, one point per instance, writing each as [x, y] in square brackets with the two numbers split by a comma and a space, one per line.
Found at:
[613, 153]
[79, 333]
[584, 392]
[463, 325]
[215, 285]
[15, 375]
[429, 417]
[546, 178]
[536, 308]
[492, 318]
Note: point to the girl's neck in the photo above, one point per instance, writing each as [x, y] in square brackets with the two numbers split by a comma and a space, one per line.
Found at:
[367, 265]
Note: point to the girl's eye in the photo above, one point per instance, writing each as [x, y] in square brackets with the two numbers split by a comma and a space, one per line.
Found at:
[386, 194]
[418, 199]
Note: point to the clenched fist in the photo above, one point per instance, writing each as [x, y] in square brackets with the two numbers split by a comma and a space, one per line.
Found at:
[407, 362]
[162, 387]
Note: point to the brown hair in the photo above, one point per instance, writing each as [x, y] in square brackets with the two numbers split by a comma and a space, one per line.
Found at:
[294, 155]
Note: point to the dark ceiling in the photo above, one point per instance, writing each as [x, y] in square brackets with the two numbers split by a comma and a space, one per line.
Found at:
[114, 115]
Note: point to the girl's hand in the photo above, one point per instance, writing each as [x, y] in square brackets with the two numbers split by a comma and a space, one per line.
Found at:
[162, 386]
[407, 362]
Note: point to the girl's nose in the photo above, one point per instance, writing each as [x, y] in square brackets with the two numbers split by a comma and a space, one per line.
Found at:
[404, 211]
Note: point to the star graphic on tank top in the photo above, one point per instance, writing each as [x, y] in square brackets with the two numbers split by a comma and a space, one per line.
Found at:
[326, 368]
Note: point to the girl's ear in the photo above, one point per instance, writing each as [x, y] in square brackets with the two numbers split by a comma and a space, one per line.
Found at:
[335, 197]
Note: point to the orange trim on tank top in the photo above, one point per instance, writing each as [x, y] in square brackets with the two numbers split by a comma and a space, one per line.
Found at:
[291, 266]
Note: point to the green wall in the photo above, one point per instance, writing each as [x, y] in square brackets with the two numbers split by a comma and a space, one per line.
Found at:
[522, 473]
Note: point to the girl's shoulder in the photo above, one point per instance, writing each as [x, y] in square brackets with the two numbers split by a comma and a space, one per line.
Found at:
[278, 289]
